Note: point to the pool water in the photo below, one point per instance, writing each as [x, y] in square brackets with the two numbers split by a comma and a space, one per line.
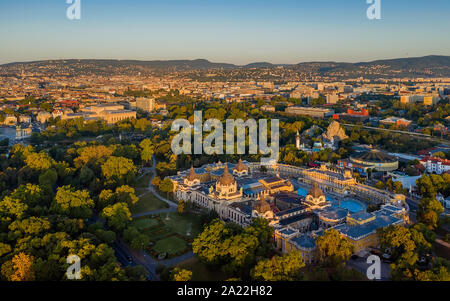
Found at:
[351, 205]
[302, 192]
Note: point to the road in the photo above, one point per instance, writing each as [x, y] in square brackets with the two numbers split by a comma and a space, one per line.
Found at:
[361, 265]
[413, 207]
[142, 258]
[153, 190]
[416, 135]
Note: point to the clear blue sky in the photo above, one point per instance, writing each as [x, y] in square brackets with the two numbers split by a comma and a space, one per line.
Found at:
[234, 31]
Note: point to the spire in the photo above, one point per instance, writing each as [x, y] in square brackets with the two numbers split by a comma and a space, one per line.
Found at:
[262, 206]
[192, 175]
[315, 191]
[240, 166]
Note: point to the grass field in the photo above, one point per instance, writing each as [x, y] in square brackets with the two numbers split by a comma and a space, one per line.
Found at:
[157, 233]
[144, 223]
[148, 202]
[140, 191]
[200, 272]
[143, 182]
[170, 245]
[182, 223]
[169, 232]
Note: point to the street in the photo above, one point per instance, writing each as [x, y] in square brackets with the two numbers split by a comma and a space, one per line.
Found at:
[360, 264]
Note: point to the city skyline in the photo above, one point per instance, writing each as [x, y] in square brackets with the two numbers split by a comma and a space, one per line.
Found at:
[240, 142]
[286, 32]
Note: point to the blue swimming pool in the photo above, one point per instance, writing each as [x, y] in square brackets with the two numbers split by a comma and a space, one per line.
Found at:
[351, 205]
[302, 192]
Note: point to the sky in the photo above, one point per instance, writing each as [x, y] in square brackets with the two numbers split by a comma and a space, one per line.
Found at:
[227, 31]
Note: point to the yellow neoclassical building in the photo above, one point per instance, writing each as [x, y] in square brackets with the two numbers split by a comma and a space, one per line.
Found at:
[275, 185]
[361, 227]
[288, 240]
[329, 180]
[226, 187]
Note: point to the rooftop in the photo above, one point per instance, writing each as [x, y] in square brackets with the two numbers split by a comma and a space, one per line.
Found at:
[361, 216]
[297, 218]
[374, 156]
[333, 213]
[357, 232]
[304, 242]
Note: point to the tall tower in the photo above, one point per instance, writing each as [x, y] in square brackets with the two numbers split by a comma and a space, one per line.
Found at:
[297, 140]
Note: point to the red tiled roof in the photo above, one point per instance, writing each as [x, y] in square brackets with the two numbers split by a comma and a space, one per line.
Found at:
[436, 160]
[425, 152]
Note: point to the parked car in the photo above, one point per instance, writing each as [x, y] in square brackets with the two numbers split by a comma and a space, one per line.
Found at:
[386, 257]
[375, 251]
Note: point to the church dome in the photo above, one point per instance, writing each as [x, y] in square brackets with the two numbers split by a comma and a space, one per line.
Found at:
[262, 206]
[315, 191]
[192, 176]
[226, 179]
[240, 167]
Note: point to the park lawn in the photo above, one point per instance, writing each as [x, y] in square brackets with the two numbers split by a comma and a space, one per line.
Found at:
[143, 182]
[170, 245]
[144, 223]
[201, 272]
[182, 223]
[157, 233]
[148, 202]
[141, 191]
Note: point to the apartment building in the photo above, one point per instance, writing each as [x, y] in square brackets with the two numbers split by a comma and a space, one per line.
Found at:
[308, 111]
[111, 113]
[145, 104]
[332, 98]
[396, 121]
[426, 99]
[436, 165]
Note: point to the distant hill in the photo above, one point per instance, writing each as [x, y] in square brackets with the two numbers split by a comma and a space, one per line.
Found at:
[179, 64]
[432, 65]
[428, 66]
[414, 62]
[259, 65]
